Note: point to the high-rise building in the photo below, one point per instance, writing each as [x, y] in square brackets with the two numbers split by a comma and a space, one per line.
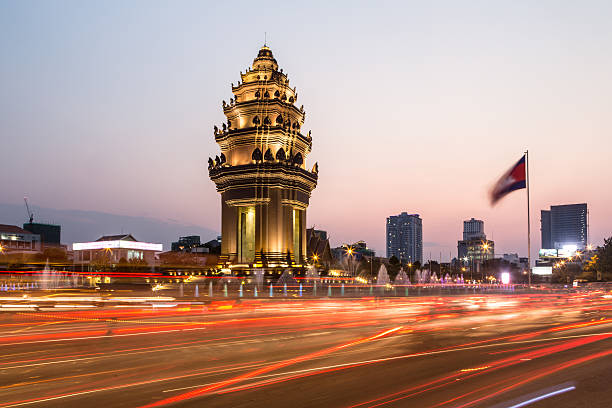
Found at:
[405, 237]
[261, 172]
[475, 246]
[50, 235]
[546, 229]
[473, 229]
[564, 225]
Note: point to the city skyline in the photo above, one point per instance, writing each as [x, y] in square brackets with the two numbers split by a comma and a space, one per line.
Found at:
[429, 121]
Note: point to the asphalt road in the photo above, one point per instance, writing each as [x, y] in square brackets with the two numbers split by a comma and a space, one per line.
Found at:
[463, 351]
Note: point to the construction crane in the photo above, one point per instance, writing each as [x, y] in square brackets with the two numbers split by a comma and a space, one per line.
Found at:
[30, 214]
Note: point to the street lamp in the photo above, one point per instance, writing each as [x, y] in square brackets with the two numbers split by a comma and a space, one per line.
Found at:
[485, 249]
[349, 252]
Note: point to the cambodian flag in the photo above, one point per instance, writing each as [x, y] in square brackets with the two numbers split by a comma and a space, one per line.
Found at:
[513, 179]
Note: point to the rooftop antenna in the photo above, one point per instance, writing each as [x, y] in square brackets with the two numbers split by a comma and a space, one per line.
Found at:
[30, 214]
[265, 39]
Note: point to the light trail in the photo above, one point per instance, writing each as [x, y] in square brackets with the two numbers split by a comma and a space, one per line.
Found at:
[117, 387]
[543, 396]
[348, 365]
[539, 375]
[276, 366]
[435, 316]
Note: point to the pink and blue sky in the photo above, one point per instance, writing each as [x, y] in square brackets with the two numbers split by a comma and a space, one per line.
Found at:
[414, 106]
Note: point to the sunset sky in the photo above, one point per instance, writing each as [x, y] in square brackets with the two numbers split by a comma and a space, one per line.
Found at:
[414, 106]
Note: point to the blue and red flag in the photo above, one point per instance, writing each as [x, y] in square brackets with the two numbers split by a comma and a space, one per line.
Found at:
[513, 179]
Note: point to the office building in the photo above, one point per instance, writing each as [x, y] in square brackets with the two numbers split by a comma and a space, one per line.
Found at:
[50, 235]
[475, 246]
[405, 237]
[189, 243]
[564, 226]
[473, 229]
[358, 251]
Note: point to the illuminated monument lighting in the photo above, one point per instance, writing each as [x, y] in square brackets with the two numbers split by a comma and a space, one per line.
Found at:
[261, 175]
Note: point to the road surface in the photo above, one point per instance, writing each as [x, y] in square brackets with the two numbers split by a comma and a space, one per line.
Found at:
[538, 350]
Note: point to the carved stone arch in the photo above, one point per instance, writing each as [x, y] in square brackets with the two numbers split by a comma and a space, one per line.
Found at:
[258, 94]
[267, 121]
[280, 155]
[222, 159]
[256, 120]
[266, 94]
[268, 156]
[279, 120]
[284, 97]
[298, 159]
[291, 99]
[277, 94]
[257, 155]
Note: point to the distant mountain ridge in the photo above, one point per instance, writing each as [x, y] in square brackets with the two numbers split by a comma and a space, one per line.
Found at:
[84, 226]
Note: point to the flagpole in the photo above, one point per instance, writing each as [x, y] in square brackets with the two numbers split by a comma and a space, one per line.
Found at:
[528, 220]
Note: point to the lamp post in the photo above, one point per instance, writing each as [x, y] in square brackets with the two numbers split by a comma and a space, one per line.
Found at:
[483, 253]
[349, 252]
[465, 261]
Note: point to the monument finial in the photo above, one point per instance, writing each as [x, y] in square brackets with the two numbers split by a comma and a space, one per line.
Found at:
[265, 38]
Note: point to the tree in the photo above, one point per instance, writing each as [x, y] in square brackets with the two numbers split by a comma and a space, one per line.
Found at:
[602, 260]
[394, 261]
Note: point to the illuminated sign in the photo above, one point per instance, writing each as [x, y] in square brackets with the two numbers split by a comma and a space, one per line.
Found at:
[545, 253]
[568, 251]
[505, 278]
[144, 246]
[542, 270]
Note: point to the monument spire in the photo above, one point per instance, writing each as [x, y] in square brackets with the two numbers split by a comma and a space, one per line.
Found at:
[261, 170]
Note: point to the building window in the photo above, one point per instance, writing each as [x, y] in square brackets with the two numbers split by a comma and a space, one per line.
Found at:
[135, 255]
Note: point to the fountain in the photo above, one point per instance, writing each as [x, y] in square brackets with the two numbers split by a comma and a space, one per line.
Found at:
[259, 277]
[401, 278]
[383, 276]
[50, 279]
[287, 279]
[312, 275]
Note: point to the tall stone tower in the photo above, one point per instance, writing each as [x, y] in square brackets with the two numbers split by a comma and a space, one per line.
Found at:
[260, 173]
